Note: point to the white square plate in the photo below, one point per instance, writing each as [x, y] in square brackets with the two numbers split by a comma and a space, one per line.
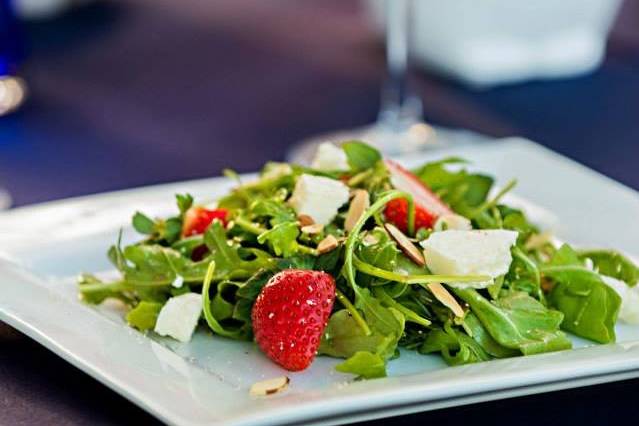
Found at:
[206, 381]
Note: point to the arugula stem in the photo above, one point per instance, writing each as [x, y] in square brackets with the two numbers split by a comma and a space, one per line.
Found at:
[352, 310]
[415, 279]
[411, 215]
[359, 178]
[532, 267]
[349, 248]
[489, 204]
[257, 230]
[249, 226]
[409, 314]
[98, 287]
[307, 250]
[206, 306]
[564, 268]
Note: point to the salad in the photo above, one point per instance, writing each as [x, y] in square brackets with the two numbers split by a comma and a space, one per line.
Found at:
[356, 257]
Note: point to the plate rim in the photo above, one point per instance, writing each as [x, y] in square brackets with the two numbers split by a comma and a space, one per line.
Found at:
[168, 415]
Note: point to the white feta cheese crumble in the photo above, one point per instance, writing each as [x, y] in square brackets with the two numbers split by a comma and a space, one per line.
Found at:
[452, 221]
[629, 311]
[275, 171]
[329, 157]
[178, 281]
[478, 252]
[318, 197]
[179, 316]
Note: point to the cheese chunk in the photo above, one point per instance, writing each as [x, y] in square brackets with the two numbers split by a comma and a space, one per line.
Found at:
[478, 252]
[629, 311]
[318, 197]
[329, 157]
[179, 316]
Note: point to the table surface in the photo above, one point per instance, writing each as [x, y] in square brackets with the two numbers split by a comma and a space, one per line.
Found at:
[138, 92]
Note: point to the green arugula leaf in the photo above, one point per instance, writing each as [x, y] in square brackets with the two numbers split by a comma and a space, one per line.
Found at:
[224, 301]
[229, 264]
[365, 365]
[524, 275]
[518, 321]
[361, 156]
[282, 238]
[172, 229]
[95, 291]
[184, 202]
[349, 270]
[455, 346]
[330, 262]
[378, 249]
[242, 332]
[143, 224]
[460, 189]
[389, 302]
[612, 264]
[276, 210]
[247, 293]
[297, 261]
[589, 305]
[343, 337]
[155, 265]
[480, 335]
[144, 315]
[515, 219]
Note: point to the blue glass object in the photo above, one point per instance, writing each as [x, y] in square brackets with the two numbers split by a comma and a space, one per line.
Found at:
[10, 40]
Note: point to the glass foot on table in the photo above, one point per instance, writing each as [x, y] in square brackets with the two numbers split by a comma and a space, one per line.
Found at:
[418, 137]
[5, 199]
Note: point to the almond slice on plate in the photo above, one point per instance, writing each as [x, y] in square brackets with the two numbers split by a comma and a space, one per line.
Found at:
[313, 229]
[447, 299]
[269, 386]
[361, 201]
[305, 220]
[405, 244]
[327, 244]
[370, 239]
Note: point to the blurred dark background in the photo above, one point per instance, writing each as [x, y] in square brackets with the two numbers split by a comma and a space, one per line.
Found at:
[136, 92]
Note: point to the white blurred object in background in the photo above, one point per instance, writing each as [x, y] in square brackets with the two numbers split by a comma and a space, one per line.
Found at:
[491, 42]
[5, 199]
[42, 9]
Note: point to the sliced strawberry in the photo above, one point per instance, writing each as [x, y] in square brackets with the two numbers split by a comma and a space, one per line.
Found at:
[290, 315]
[197, 219]
[428, 207]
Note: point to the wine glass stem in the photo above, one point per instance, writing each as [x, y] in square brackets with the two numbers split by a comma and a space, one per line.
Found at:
[395, 97]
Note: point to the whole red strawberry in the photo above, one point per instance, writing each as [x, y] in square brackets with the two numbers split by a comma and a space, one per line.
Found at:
[197, 219]
[290, 315]
[428, 207]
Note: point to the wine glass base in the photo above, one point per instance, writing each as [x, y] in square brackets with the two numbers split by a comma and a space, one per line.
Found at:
[415, 138]
[5, 199]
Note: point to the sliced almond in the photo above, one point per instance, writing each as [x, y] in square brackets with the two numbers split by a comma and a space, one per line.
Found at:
[538, 240]
[447, 299]
[370, 239]
[361, 201]
[305, 220]
[405, 244]
[546, 285]
[327, 244]
[313, 229]
[270, 386]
